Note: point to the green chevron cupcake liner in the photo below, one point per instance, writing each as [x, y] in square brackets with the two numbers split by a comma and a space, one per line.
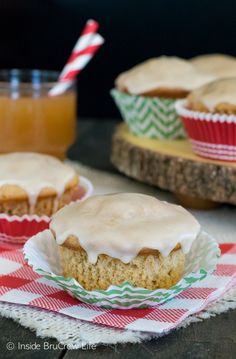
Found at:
[152, 117]
[41, 252]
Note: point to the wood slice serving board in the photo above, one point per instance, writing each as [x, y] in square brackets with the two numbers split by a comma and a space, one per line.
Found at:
[171, 165]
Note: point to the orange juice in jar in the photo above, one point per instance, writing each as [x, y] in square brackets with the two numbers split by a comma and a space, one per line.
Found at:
[30, 119]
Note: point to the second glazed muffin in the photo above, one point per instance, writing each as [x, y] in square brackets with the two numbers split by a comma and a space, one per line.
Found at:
[32, 183]
[112, 239]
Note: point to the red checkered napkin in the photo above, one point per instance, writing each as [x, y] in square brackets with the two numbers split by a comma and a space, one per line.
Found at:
[20, 285]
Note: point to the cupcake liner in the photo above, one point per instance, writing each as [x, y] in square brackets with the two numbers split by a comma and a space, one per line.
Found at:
[211, 135]
[152, 117]
[41, 252]
[18, 229]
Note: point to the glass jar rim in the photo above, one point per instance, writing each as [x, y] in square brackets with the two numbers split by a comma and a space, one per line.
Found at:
[28, 78]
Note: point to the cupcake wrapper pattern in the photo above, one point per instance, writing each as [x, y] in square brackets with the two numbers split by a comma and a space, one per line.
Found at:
[18, 229]
[211, 135]
[151, 117]
[41, 252]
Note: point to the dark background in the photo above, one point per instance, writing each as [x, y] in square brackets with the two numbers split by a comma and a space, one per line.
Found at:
[41, 34]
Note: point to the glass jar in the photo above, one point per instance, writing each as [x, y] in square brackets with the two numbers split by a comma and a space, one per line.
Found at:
[30, 119]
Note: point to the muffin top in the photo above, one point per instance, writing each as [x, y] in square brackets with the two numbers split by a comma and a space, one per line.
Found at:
[219, 65]
[122, 225]
[216, 97]
[28, 173]
[162, 74]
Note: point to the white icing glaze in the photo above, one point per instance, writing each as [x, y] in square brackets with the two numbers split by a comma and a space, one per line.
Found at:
[163, 72]
[33, 172]
[219, 65]
[120, 225]
[215, 93]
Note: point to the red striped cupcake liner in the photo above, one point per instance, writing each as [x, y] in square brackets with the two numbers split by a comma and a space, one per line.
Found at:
[18, 229]
[211, 135]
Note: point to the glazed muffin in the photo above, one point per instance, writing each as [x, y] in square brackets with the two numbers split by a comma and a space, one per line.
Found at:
[32, 183]
[112, 239]
[218, 65]
[216, 97]
[169, 77]
[146, 96]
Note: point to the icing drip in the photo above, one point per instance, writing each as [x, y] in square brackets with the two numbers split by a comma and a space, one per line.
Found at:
[33, 172]
[120, 225]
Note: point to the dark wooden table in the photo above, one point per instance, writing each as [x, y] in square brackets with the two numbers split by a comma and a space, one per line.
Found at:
[213, 338]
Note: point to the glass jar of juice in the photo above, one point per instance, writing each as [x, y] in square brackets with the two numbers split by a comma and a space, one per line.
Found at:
[30, 119]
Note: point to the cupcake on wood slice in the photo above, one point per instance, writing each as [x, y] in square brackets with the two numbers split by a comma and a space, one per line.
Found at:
[33, 183]
[112, 239]
[218, 65]
[146, 95]
[209, 115]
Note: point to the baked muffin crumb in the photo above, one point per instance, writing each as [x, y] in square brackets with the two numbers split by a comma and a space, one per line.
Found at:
[150, 271]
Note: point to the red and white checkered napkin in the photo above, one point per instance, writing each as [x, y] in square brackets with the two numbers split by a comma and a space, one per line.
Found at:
[20, 285]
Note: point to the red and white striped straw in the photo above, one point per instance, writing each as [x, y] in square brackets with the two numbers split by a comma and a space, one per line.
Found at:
[85, 48]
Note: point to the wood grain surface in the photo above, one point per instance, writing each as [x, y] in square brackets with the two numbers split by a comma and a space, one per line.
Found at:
[171, 165]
